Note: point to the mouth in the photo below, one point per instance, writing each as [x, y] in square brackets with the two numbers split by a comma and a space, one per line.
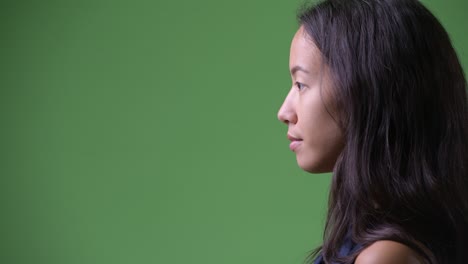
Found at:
[295, 142]
[291, 138]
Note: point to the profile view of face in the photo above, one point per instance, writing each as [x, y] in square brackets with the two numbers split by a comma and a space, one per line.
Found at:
[315, 136]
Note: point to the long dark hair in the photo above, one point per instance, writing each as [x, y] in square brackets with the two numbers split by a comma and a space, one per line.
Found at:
[401, 95]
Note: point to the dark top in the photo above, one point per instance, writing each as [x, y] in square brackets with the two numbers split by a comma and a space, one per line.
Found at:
[347, 248]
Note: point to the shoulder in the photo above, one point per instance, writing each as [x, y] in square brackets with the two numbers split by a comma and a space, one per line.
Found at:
[388, 252]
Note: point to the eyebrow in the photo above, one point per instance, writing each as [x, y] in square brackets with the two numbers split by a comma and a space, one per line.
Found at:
[298, 68]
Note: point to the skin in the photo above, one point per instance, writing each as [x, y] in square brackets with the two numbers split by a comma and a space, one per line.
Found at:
[308, 108]
[388, 252]
[307, 111]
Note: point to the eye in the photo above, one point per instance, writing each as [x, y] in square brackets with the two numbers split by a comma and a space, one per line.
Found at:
[299, 85]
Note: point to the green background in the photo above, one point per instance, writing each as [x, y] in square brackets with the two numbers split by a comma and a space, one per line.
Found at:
[146, 132]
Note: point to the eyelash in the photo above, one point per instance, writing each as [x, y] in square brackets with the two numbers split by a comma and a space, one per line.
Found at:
[297, 85]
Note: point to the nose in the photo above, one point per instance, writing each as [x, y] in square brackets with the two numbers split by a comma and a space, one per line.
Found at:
[287, 113]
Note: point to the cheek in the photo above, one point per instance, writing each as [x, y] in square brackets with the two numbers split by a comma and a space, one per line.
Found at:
[323, 142]
[319, 157]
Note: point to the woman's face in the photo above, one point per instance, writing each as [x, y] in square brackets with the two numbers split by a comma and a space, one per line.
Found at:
[319, 139]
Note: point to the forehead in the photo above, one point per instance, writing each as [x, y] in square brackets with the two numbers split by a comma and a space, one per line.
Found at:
[303, 50]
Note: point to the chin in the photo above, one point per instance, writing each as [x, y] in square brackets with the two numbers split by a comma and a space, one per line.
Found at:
[315, 166]
[316, 169]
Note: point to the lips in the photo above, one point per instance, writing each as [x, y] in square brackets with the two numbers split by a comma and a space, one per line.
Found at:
[295, 142]
[291, 138]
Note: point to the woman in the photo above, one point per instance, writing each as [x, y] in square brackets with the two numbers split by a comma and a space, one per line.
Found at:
[379, 98]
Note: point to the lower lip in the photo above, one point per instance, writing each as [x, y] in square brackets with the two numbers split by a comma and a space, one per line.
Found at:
[295, 144]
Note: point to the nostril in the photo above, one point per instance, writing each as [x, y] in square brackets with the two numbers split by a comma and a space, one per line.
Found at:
[280, 116]
[283, 119]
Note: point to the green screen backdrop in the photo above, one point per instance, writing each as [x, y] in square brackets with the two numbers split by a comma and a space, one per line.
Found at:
[146, 132]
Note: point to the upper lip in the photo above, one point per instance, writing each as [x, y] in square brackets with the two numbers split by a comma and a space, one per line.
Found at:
[293, 138]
